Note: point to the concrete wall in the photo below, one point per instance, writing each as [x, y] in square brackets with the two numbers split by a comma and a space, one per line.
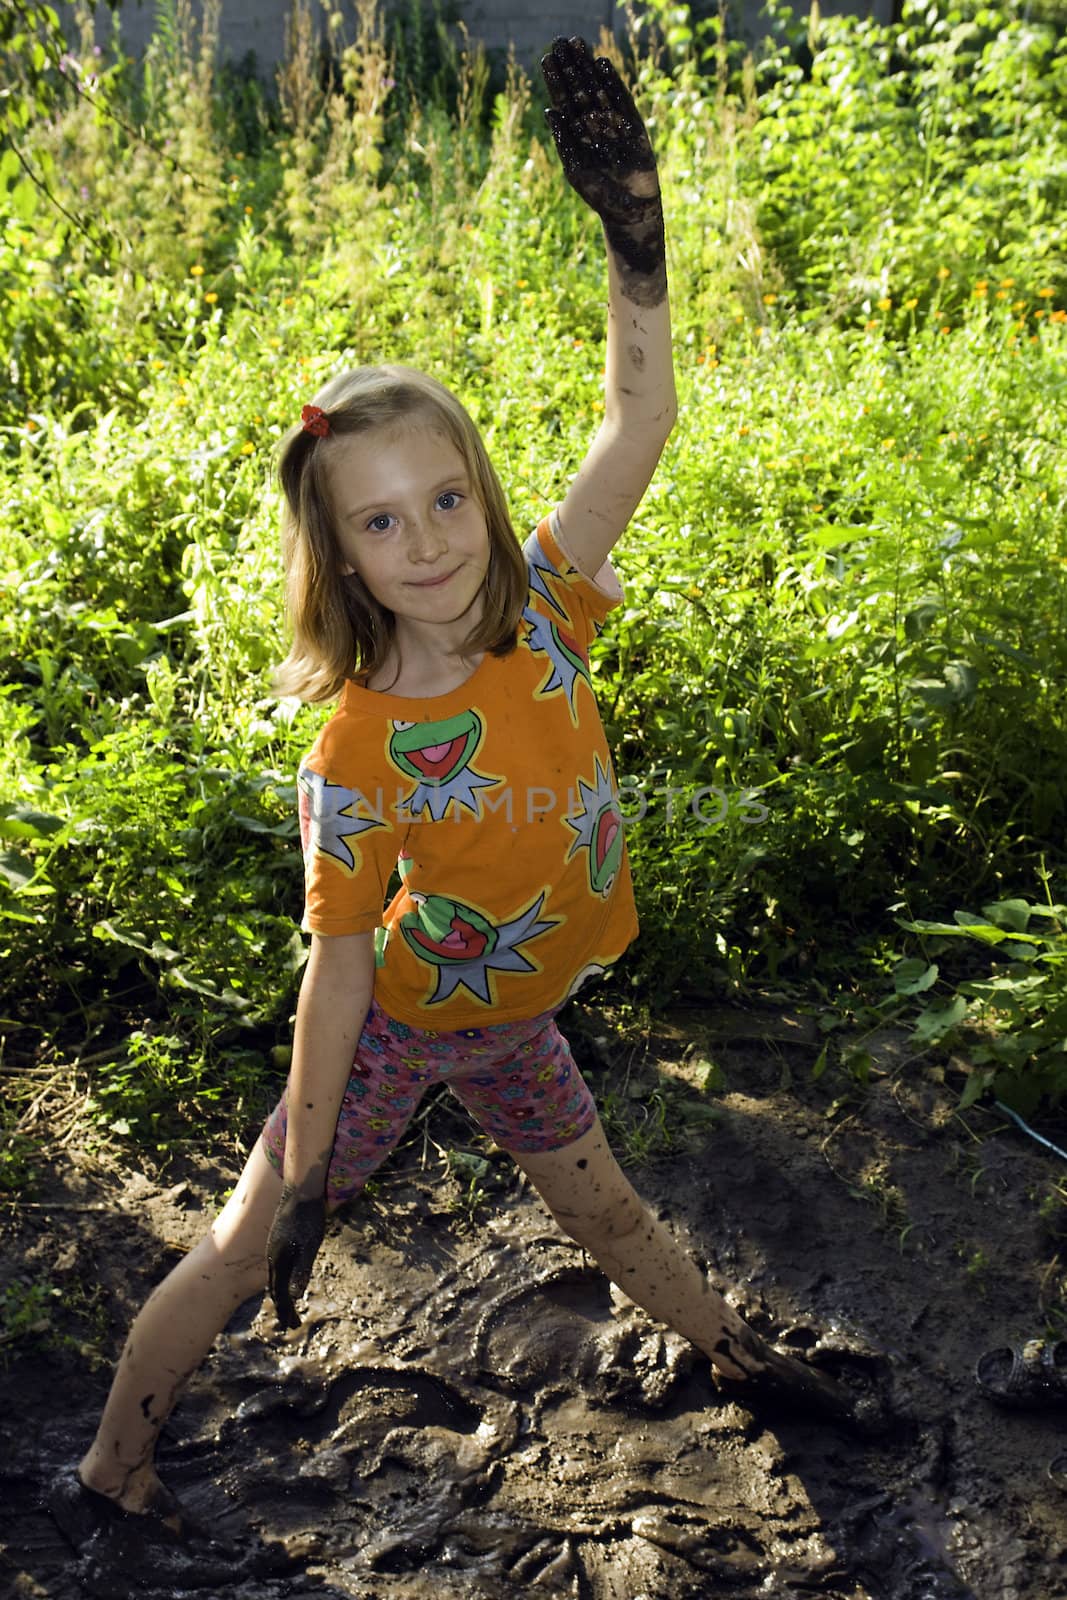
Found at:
[259, 25]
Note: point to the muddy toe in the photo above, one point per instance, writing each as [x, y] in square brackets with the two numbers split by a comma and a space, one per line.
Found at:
[81, 1513]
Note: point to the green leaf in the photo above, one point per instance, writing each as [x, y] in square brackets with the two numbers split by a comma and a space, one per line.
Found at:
[23, 822]
[16, 869]
[24, 199]
[913, 976]
[976, 1086]
[1013, 914]
[920, 618]
[937, 1020]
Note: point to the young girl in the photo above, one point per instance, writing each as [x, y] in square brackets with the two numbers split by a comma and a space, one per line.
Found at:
[466, 751]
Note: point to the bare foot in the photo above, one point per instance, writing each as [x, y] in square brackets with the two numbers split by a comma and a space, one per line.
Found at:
[140, 1492]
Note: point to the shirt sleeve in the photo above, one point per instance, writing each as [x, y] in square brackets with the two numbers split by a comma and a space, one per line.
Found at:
[556, 580]
[349, 842]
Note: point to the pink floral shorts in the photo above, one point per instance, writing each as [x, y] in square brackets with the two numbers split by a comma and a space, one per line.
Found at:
[518, 1080]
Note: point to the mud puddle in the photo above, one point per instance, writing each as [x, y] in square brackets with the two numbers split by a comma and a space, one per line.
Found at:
[475, 1411]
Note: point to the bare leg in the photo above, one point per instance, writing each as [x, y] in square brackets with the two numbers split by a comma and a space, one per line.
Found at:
[173, 1333]
[593, 1201]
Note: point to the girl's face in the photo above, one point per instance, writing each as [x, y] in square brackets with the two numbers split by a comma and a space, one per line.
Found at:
[409, 523]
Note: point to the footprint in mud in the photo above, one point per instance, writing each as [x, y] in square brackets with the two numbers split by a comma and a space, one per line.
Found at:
[561, 1332]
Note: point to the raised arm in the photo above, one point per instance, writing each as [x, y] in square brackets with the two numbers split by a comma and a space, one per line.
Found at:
[608, 159]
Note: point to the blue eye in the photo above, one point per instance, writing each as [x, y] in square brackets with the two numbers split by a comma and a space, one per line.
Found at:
[449, 494]
[375, 523]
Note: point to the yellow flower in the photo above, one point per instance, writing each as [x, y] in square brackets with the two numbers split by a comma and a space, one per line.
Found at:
[1002, 294]
[1058, 316]
[980, 290]
[1006, 283]
[885, 303]
[946, 330]
[943, 273]
[743, 429]
[158, 365]
[887, 444]
[874, 323]
[248, 448]
[1045, 294]
[1018, 305]
[769, 299]
[211, 297]
[909, 305]
[196, 272]
[248, 211]
[819, 507]
[520, 283]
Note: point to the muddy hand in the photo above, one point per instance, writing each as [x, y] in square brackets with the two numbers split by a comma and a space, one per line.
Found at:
[608, 160]
[295, 1237]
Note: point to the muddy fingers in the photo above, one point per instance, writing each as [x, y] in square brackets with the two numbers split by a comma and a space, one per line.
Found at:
[780, 1383]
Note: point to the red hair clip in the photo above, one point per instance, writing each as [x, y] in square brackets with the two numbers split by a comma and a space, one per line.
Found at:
[315, 421]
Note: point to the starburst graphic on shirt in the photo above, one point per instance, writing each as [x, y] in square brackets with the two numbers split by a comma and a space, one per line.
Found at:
[467, 946]
[328, 818]
[439, 755]
[540, 568]
[568, 665]
[598, 826]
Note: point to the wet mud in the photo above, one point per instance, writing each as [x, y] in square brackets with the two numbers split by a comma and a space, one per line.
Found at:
[472, 1409]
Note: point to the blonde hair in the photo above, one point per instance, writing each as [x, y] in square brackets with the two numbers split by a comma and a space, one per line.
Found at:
[339, 630]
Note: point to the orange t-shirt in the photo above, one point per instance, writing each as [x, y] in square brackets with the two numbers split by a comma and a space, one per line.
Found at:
[497, 804]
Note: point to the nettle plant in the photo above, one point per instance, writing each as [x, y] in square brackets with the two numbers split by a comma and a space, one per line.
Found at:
[1009, 1025]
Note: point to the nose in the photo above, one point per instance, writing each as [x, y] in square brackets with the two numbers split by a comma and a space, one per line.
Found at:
[426, 543]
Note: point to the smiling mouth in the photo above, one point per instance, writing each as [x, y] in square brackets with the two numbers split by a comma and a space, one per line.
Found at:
[432, 583]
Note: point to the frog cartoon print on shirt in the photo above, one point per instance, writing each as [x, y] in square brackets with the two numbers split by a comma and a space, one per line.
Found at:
[465, 945]
[599, 830]
[439, 755]
[329, 823]
[567, 664]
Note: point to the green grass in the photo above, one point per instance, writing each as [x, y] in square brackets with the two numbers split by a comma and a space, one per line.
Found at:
[846, 619]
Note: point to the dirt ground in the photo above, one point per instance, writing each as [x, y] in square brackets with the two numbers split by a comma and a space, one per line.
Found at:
[471, 1409]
